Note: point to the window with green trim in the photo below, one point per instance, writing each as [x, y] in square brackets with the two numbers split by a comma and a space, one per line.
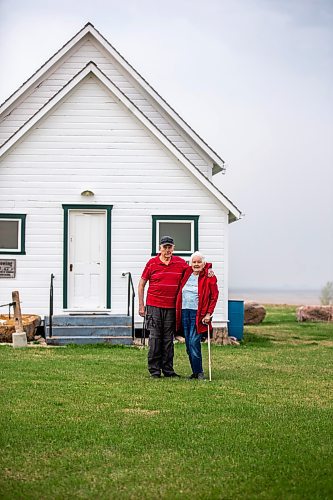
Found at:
[12, 234]
[182, 228]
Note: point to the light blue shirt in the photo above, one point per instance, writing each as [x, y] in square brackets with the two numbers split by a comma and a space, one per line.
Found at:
[190, 293]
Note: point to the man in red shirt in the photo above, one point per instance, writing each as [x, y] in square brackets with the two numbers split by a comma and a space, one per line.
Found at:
[164, 273]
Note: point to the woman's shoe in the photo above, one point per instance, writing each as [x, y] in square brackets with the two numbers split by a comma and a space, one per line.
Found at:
[194, 375]
[201, 376]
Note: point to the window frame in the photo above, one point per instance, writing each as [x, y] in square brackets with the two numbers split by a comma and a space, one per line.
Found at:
[193, 219]
[21, 234]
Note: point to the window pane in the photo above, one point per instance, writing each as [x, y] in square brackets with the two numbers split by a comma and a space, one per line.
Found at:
[9, 230]
[180, 232]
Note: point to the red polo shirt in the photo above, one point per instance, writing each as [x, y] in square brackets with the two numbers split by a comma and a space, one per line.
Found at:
[163, 281]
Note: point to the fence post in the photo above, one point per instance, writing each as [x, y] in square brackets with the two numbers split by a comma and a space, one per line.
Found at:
[19, 337]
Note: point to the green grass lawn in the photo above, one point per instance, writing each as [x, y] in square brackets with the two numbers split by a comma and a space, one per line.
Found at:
[87, 422]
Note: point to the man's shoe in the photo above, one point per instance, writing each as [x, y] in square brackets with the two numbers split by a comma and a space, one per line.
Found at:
[174, 375]
[155, 375]
[201, 376]
[194, 375]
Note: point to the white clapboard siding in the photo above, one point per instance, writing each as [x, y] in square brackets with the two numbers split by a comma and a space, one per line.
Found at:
[90, 50]
[42, 172]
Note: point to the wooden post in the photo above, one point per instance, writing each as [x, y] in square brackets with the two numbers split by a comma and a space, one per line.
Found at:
[17, 312]
[19, 337]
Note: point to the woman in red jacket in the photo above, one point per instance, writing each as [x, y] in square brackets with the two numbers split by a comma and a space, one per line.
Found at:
[196, 300]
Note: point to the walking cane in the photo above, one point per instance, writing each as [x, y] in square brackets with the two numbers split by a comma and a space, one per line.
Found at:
[143, 336]
[209, 356]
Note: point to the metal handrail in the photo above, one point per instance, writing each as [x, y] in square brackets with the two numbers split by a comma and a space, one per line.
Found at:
[10, 304]
[130, 299]
[51, 306]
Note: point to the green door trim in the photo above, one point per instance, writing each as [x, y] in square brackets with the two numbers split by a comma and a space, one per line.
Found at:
[108, 209]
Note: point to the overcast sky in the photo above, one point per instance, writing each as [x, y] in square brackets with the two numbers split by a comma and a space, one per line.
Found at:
[254, 78]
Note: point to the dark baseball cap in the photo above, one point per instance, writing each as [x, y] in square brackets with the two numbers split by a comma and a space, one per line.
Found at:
[166, 240]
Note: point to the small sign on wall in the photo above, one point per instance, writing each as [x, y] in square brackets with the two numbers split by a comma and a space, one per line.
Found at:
[8, 268]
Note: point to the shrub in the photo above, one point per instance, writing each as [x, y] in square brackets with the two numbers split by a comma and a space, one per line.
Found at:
[326, 297]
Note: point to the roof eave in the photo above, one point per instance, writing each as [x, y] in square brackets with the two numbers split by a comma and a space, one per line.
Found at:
[217, 169]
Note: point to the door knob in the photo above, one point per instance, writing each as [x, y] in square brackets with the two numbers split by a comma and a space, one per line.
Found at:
[71, 267]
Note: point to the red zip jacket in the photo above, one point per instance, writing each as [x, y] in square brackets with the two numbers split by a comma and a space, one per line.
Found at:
[208, 295]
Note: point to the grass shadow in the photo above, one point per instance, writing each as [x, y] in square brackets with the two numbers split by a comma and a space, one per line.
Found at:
[252, 339]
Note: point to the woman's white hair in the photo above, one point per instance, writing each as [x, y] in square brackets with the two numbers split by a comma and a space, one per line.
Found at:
[198, 254]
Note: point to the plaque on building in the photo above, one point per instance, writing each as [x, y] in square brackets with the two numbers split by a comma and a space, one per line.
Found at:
[8, 268]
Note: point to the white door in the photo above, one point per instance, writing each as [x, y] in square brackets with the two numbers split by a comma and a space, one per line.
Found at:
[87, 260]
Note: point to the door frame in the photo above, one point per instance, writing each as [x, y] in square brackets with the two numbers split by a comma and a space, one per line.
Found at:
[67, 209]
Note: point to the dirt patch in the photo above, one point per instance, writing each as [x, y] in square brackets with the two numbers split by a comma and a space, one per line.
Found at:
[141, 411]
[326, 343]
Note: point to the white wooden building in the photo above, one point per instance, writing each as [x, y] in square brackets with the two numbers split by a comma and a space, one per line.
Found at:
[94, 167]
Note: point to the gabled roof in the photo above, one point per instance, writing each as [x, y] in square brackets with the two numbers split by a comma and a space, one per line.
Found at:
[218, 162]
[91, 68]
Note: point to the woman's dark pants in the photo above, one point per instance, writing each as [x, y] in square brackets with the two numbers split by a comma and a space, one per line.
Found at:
[161, 324]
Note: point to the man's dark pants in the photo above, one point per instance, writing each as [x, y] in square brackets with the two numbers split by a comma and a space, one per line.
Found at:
[161, 323]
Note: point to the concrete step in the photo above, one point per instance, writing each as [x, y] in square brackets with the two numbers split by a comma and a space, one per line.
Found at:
[66, 340]
[90, 331]
[89, 320]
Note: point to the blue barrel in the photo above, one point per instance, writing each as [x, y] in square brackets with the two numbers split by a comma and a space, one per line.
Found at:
[236, 318]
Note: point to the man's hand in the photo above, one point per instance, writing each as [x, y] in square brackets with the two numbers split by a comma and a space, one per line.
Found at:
[141, 289]
[142, 311]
